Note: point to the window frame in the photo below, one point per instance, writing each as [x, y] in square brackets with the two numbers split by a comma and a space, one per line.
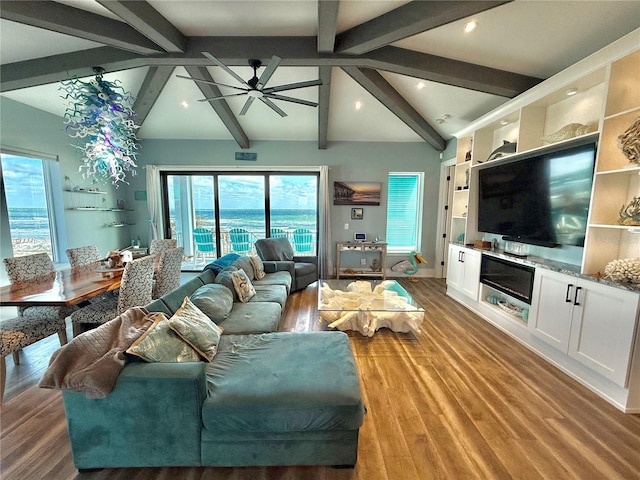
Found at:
[417, 214]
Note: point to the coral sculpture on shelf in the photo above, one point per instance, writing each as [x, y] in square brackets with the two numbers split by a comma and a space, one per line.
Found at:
[629, 142]
[630, 214]
[568, 131]
[623, 270]
[100, 118]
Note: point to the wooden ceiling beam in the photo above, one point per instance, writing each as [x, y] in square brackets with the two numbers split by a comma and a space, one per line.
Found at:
[61, 18]
[327, 24]
[150, 90]
[405, 21]
[148, 21]
[377, 86]
[221, 107]
[324, 97]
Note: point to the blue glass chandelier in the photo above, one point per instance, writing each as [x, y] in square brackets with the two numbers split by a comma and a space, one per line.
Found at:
[100, 117]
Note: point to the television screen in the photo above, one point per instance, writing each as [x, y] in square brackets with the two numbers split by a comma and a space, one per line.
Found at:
[542, 199]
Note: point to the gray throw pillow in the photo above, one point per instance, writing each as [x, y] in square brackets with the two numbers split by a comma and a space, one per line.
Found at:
[244, 263]
[215, 301]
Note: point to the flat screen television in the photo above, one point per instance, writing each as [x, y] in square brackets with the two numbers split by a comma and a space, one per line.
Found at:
[541, 198]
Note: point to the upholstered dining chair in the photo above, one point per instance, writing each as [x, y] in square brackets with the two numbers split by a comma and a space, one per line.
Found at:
[81, 256]
[240, 241]
[161, 245]
[205, 244]
[168, 272]
[136, 289]
[33, 323]
[303, 241]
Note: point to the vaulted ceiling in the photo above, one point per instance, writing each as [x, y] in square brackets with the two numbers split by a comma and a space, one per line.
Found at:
[417, 75]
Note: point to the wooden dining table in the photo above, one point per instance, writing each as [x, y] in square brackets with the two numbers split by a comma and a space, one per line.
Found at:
[64, 287]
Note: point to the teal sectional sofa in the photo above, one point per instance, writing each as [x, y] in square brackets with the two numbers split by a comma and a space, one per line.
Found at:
[267, 398]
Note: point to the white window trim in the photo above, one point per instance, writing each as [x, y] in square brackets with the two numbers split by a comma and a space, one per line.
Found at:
[419, 214]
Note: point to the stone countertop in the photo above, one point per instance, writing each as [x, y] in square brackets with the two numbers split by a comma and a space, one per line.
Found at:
[560, 267]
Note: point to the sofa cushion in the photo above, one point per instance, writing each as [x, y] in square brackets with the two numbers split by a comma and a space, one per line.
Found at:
[225, 278]
[242, 284]
[248, 318]
[303, 269]
[215, 300]
[276, 278]
[275, 249]
[195, 328]
[270, 293]
[173, 300]
[161, 344]
[283, 382]
[244, 263]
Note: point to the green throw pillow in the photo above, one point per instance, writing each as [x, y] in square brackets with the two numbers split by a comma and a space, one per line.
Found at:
[161, 344]
[195, 328]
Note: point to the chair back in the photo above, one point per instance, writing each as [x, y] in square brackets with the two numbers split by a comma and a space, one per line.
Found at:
[277, 233]
[240, 240]
[136, 287]
[81, 256]
[203, 237]
[303, 240]
[274, 249]
[161, 245]
[24, 268]
[168, 272]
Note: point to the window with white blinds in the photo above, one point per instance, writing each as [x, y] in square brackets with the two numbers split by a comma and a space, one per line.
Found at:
[404, 212]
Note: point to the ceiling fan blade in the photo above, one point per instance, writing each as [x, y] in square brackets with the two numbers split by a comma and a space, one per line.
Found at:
[268, 71]
[273, 106]
[222, 97]
[246, 105]
[292, 86]
[225, 68]
[210, 83]
[291, 99]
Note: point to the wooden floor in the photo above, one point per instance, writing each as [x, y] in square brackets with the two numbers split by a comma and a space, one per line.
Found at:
[458, 401]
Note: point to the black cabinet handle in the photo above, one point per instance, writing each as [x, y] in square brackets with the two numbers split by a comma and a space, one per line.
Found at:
[462, 257]
[567, 297]
[575, 299]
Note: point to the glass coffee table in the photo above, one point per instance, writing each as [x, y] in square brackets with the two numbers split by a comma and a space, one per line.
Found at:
[368, 305]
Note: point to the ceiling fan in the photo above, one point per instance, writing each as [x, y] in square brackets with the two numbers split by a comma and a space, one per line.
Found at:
[256, 87]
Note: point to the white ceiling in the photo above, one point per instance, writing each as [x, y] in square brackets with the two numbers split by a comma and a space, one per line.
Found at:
[534, 38]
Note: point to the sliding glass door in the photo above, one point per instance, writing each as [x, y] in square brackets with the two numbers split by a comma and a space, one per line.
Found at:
[215, 213]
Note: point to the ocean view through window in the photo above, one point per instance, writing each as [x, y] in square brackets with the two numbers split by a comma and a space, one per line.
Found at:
[31, 222]
[239, 209]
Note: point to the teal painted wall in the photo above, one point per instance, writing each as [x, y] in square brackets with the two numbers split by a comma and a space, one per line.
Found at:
[348, 161]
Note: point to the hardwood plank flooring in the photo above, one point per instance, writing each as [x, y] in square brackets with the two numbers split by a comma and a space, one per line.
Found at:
[459, 400]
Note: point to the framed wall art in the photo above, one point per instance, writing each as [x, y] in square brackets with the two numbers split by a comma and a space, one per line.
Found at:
[357, 213]
[356, 193]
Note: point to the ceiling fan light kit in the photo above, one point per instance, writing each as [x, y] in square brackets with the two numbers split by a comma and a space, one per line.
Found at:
[256, 87]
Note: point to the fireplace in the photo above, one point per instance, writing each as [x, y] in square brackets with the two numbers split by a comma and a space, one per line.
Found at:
[511, 278]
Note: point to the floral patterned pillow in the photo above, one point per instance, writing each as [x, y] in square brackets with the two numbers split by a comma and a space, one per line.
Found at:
[243, 285]
[258, 267]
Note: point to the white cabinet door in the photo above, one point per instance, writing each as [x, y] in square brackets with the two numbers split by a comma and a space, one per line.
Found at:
[603, 329]
[455, 269]
[471, 274]
[552, 307]
[463, 271]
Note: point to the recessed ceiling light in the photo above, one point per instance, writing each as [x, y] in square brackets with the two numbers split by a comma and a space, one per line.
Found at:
[184, 104]
[357, 105]
[572, 91]
[470, 26]
[420, 85]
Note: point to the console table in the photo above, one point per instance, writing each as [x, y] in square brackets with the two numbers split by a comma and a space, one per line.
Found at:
[361, 259]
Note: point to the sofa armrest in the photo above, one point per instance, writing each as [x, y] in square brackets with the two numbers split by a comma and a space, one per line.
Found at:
[153, 417]
[306, 259]
[272, 266]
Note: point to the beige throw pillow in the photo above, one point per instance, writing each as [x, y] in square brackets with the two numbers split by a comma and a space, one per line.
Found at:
[258, 267]
[161, 344]
[195, 328]
[243, 286]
